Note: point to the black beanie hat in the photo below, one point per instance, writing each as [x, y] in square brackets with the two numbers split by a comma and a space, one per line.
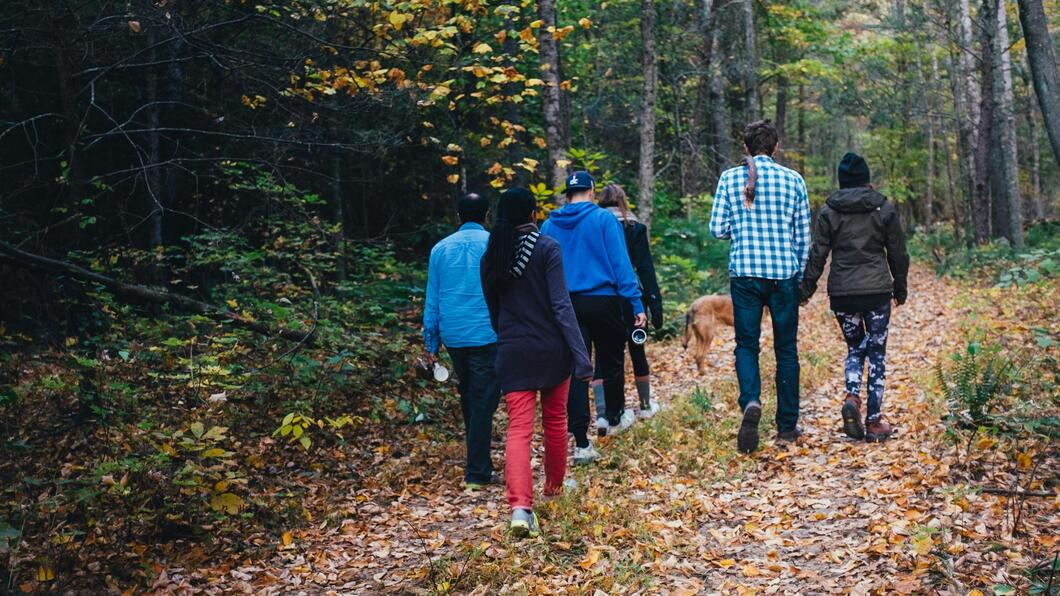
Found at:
[853, 171]
[516, 206]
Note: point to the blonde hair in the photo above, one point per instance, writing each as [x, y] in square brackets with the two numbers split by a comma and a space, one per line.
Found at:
[612, 195]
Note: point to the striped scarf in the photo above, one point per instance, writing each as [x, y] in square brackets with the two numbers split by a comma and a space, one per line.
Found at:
[525, 250]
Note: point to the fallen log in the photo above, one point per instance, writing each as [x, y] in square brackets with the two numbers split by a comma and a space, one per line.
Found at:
[154, 295]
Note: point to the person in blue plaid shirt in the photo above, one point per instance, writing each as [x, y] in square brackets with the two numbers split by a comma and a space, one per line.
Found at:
[763, 209]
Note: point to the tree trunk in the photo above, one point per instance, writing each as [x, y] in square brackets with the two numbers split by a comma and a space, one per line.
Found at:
[1036, 167]
[967, 63]
[552, 98]
[965, 151]
[646, 171]
[751, 66]
[1042, 57]
[781, 118]
[338, 213]
[697, 164]
[1005, 115]
[722, 134]
[985, 132]
[801, 128]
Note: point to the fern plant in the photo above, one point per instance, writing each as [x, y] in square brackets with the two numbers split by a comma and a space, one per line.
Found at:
[977, 380]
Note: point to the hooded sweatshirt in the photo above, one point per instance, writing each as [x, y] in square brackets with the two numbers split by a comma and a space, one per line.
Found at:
[595, 260]
[861, 229]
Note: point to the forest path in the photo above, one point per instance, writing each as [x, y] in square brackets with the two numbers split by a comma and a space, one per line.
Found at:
[671, 508]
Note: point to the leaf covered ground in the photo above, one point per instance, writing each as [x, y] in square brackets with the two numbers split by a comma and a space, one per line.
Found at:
[673, 509]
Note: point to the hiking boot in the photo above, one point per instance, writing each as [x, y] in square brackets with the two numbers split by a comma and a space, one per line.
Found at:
[747, 438]
[877, 431]
[647, 410]
[788, 437]
[585, 455]
[852, 425]
[475, 486]
[601, 427]
[524, 524]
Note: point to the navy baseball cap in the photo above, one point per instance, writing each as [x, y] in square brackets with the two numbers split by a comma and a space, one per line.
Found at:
[580, 181]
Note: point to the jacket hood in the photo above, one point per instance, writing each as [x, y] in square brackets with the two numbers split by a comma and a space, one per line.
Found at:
[856, 200]
[571, 214]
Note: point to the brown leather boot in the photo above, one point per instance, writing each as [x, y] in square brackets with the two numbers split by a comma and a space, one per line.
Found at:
[852, 417]
[877, 431]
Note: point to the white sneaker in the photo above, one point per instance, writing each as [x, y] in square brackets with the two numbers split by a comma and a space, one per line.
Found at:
[627, 420]
[601, 426]
[585, 455]
[652, 410]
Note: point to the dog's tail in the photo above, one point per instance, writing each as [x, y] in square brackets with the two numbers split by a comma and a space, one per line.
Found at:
[688, 327]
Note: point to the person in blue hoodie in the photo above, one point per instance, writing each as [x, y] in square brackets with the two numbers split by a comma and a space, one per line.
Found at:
[601, 280]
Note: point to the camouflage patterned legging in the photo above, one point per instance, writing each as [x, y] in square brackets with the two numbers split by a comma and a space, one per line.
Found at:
[866, 337]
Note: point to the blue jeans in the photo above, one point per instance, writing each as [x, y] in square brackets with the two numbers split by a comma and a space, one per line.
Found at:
[866, 337]
[479, 394]
[749, 296]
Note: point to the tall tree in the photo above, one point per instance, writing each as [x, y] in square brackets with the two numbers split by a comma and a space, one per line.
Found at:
[751, 64]
[1005, 123]
[556, 141]
[650, 61]
[703, 107]
[1042, 57]
[985, 131]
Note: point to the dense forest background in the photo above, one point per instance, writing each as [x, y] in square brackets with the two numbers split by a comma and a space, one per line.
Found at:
[215, 215]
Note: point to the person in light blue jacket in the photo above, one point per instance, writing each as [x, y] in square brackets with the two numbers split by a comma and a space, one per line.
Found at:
[455, 314]
[601, 282]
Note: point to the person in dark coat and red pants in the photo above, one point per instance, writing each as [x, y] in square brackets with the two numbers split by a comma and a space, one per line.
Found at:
[539, 347]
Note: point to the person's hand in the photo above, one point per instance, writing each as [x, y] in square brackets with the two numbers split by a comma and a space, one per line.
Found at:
[640, 320]
[896, 303]
[431, 358]
[804, 302]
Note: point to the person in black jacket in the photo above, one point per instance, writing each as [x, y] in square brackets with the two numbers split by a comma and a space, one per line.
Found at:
[869, 270]
[613, 198]
[539, 347]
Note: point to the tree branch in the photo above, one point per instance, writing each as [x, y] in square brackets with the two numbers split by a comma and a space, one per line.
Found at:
[154, 295]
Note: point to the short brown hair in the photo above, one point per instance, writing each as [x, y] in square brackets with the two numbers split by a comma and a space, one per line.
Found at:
[760, 137]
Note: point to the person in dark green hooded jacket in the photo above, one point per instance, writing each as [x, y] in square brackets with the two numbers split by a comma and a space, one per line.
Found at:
[869, 270]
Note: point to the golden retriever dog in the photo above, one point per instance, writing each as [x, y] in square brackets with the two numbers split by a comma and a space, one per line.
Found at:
[702, 320]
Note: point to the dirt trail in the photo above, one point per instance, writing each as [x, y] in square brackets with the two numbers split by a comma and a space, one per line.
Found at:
[829, 515]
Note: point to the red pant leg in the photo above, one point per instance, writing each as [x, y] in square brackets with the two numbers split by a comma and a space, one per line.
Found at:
[554, 421]
[517, 477]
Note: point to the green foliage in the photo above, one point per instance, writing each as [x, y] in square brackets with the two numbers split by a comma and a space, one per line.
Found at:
[996, 259]
[977, 381]
[689, 263]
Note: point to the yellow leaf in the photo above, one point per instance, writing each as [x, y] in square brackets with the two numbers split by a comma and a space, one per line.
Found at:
[450, 160]
[536, 24]
[1024, 460]
[590, 559]
[527, 35]
[287, 538]
[559, 34]
[726, 563]
[398, 19]
[453, 178]
[232, 303]
[749, 570]
[227, 502]
[585, 23]
[923, 545]
[482, 48]
[45, 573]
[986, 443]
[215, 452]
[975, 593]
